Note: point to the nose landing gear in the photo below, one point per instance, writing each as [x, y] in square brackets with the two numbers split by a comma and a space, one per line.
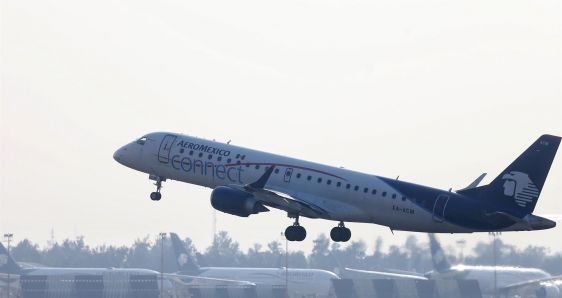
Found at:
[295, 232]
[156, 195]
[340, 233]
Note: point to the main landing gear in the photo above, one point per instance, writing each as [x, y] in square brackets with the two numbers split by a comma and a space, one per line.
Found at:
[340, 233]
[295, 232]
[156, 195]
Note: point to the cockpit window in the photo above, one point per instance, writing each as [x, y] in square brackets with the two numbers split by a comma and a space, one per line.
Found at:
[141, 141]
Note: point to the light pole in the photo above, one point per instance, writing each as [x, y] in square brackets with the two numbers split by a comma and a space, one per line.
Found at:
[8, 237]
[286, 265]
[495, 234]
[162, 238]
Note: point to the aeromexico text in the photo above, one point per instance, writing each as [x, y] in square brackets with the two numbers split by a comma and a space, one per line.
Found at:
[232, 173]
[203, 148]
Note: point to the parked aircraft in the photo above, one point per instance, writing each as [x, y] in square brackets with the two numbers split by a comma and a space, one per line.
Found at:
[492, 279]
[544, 288]
[299, 282]
[246, 181]
[8, 266]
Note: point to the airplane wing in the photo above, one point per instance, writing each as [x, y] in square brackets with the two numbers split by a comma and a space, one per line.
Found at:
[545, 287]
[288, 202]
[191, 280]
[369, 274]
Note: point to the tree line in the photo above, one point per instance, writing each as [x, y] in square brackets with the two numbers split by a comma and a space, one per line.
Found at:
[325, 254]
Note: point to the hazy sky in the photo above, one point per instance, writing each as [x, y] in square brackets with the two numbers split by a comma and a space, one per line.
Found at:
[436, 91]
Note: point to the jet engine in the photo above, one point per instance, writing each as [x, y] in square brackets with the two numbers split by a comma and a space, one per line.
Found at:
[236, 202]
[548, 290]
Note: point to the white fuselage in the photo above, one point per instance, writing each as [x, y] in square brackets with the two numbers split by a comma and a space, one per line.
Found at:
[345, 195]
[299, 282]
[491, 278]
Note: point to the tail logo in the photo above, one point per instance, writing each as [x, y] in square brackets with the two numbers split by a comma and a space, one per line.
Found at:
[519, 186]
[3, 260]
[182, 259]
[439, 257]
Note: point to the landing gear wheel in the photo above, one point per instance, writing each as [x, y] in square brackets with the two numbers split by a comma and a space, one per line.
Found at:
[301, 233]
[155, 196]
[340, 233]
[295, 232]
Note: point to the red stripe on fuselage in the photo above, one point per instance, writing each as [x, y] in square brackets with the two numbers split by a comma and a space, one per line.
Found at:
[283, 165]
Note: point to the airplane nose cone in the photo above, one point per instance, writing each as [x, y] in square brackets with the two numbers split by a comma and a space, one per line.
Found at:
[118, 155]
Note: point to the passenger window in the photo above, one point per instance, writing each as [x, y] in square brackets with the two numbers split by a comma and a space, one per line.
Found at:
[247, 165]
[257, 167]
[182, 150]
[141, 141]
[338, 184]
[394, 196]
[319, 180]
[219, 158]
[365, 190]
[374, 192]
[298, 175]
[228, 160]
[276, 171]
[210, 156]
[243, 156]
[348, 186]
[384, 193]
[309, 178]
[356, 187]
[200, 154]
[329, 182]
[237, 155]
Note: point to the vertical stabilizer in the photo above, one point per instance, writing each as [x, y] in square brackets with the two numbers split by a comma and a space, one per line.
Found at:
[438, 257]
[519, 186]
[185, 260]
[7, 263]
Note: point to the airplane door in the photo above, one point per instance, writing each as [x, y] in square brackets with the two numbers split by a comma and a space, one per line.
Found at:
[165, 148]
[288, 174]
[439, 208]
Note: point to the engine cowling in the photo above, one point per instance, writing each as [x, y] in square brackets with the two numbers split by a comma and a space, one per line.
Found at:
[548, 290]
[235, 202]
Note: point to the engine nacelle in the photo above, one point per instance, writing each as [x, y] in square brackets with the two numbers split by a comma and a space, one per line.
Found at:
[548, 290]
[235, 202]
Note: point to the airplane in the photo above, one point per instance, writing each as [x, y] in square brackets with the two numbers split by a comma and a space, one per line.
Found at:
[299, 282]
[492, 279]
[246, 182]
[543, 288]
[9, 267]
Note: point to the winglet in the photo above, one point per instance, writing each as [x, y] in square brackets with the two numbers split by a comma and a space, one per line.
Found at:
[260, 183]
[475, 183]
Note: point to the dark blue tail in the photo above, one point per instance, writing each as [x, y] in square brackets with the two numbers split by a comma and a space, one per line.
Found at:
[519, 186]
[438, 257]
[186, 261]
[7, 263]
